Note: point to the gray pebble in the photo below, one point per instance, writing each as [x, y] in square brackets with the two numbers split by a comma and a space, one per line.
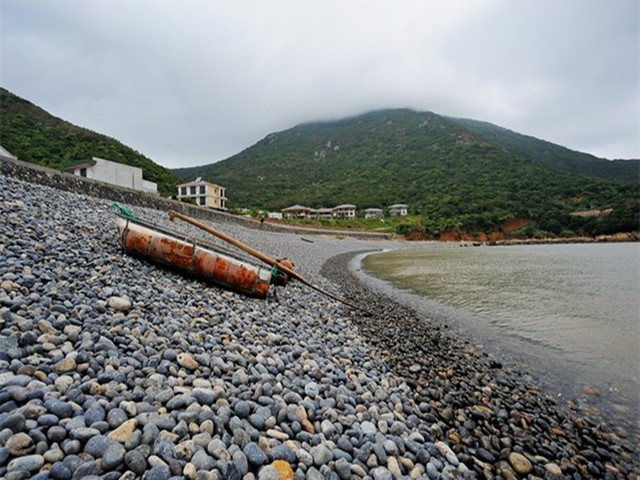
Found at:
[202, 461]
[59, 471]
[381, 473]
[268, 473]
[282, 452]
[113, 456]
[321, 455]
[158, 473]
[27, 463]
[254, 454]
[136, 462]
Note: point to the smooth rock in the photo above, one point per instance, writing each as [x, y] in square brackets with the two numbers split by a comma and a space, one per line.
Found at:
[187, 361]
[284, 469]
[520, 463]
[124, 431]
[20, 444]
[27, 463]
[120, 304]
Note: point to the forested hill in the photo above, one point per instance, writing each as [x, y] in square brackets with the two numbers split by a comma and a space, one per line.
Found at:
[451, 175]
[552, 155]
[454, 174]
[35, 136]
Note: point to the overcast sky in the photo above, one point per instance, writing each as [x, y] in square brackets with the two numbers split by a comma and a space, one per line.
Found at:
[192, 82]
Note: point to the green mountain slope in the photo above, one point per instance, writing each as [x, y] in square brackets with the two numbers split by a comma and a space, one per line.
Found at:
[35, 136]
[453, 177]
[553, 155]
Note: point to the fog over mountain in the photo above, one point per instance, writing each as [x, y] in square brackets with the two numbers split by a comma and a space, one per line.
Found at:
[190, 83]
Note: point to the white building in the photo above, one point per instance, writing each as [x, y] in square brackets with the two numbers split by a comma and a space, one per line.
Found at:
[113, 173]
[324, 213]
[373, 213]
[345, 211]
[204, 193]
[297, 211]
[398, 210]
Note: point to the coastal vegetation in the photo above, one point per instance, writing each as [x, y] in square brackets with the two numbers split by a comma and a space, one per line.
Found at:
[35, 136]
[460, 178]
[456, 175]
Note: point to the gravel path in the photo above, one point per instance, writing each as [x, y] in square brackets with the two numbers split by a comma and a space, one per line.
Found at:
[111, 367]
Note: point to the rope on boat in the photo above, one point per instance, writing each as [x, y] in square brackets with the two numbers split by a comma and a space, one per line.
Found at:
[265, 258]
[122, 210]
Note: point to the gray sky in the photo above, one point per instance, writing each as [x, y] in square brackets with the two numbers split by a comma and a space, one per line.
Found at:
[192, 82]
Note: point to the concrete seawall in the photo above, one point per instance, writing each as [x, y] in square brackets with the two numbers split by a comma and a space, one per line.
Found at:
[63, 181]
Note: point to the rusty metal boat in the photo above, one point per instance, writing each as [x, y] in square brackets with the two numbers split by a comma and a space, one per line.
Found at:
[200, 259]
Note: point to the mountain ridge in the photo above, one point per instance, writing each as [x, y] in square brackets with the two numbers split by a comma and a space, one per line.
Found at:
[573, 160]
[453, 174]
[36, 136]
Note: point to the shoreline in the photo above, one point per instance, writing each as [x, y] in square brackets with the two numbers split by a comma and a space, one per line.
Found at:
[405, 327]
[616, 409]
[113, 367]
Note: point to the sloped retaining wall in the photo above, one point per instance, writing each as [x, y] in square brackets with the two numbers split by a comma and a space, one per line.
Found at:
[63, 181]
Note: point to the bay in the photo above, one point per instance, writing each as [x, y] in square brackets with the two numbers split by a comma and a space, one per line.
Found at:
[569, 312]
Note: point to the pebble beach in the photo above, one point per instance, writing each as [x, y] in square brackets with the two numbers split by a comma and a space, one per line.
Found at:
[112, 367]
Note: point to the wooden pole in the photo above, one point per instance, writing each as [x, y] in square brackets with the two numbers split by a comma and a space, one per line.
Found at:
[261, 256]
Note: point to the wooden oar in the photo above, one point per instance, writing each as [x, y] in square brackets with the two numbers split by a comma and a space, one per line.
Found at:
[261, 256]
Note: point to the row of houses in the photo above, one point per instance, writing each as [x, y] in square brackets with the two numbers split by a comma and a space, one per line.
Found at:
[341, 211]
[201, 192]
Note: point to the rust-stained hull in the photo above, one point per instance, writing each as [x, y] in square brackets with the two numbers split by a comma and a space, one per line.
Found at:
[204, 263]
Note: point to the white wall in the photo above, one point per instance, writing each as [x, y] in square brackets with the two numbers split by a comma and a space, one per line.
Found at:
[118, 174]
[149, 186]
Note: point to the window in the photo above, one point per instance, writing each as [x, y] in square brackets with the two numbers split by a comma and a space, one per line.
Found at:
[183, 190]
[192, 190]
[203, 189]
[83, 172]
[203, 200]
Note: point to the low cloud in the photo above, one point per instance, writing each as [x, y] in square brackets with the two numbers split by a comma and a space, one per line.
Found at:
[194, 82]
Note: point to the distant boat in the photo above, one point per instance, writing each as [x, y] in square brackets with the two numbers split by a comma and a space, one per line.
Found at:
[202, 260]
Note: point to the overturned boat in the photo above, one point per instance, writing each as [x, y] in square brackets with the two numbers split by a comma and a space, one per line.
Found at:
[209, 262]
[200, 259]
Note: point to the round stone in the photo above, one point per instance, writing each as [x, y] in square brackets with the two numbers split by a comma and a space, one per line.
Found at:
[15, 421]
[158, 473]
[113, 456]
[202, 461]
[268, 473]
[242, 409]
[520, 463]
[20, 444]
[312, 389]
[28, 463]
[321, 455]
[120, 304]
[59, 471]
[368, 428]
[136, 462]
[254, 454]
[59, 408]
[187, 361]
[381, 473]
[284, 469]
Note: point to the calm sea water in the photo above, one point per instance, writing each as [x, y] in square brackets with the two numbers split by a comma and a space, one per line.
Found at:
[571, 313]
